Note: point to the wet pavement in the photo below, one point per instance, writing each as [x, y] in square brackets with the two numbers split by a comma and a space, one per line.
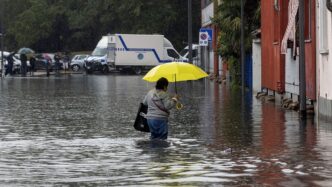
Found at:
[76, 130]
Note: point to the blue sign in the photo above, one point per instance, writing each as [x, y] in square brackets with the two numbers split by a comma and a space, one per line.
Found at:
[209, 31]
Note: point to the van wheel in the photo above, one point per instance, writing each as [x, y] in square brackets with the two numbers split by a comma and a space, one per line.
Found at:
[105, 69]
[137, 70]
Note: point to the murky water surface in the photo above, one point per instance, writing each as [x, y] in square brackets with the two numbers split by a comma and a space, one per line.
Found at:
[77, 131]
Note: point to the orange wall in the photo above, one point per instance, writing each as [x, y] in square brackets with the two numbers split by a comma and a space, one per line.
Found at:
[273, 26]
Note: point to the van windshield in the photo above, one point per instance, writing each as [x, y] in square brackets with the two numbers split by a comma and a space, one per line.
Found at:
[99, 51]
[183, 52]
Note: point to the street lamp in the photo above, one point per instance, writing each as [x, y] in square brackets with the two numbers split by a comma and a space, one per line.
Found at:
[2, 37]
[190, 30]
[2, 64]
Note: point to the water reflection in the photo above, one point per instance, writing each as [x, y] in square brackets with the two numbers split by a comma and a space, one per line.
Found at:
[77, 131]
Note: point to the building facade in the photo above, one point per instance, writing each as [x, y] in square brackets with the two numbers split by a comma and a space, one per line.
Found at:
[324, 58]
[212, 62]
[280, 67]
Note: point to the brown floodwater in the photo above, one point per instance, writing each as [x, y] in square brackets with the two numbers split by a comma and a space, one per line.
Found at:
[78, 131]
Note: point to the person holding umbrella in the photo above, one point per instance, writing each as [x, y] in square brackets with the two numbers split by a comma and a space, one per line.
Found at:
[159, 104]
[158, 101]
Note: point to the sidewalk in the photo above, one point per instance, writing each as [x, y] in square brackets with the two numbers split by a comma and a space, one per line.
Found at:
[41, 73]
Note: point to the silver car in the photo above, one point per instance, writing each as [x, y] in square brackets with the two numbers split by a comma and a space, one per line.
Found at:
[77, 62]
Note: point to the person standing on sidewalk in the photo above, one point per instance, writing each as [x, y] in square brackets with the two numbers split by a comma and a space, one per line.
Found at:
[65, 63]
[57, 58]
[159, 103]
[32, 65]
[24, 66]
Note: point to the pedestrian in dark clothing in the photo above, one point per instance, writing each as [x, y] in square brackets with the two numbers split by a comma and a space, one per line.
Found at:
[10, 63]
[65, 62]
[159, 103]
[32, 65]
[24, 59]
[47, 65]
[57, 58]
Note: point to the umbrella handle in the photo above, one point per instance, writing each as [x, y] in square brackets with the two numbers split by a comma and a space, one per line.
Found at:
[179, 105]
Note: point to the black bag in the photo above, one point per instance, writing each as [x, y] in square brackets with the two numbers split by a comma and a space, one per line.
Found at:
[141, 124]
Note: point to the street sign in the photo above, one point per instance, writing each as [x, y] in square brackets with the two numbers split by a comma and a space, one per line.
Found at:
[203, 39]
[209, 31]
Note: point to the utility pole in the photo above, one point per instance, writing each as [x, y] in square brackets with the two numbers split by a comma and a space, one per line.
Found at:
[190, 32]
[242, 47]
[303, 104]
[2, 35]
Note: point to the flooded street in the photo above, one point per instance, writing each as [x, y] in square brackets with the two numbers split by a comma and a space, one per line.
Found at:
[78, 131]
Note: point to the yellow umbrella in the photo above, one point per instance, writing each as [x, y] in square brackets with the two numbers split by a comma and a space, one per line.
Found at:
[175, 71]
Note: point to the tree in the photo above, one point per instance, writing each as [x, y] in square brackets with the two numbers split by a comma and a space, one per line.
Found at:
[51, 25]
[32, 24]
[228, 19]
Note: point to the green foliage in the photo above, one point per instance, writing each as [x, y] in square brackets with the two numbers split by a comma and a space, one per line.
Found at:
[51, 25]
[228, 19]
[235, 69]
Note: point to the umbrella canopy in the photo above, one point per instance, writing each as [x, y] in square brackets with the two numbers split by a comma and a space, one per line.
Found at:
[175, 71]
[25, 50]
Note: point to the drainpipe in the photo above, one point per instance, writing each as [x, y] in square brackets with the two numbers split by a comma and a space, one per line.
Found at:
[242, 47]
[215, 42]
[190, 32]
[303, 106]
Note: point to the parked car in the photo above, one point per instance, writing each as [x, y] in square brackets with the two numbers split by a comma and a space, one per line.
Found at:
[77, 62]
[5, 54]
[42, 60]
[16, 64]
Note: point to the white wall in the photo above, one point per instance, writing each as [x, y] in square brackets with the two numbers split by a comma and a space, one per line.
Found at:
[292, 80]
[324, 60]
[211, 62]
[207, 14]
[324, 50]
[257, 66]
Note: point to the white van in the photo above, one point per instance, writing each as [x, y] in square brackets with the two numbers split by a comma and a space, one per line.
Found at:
[195, 51]
[131, 51]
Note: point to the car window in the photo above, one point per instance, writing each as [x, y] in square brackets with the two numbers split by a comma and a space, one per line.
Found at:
[172, 53]
[82, 57]
[183, 52]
